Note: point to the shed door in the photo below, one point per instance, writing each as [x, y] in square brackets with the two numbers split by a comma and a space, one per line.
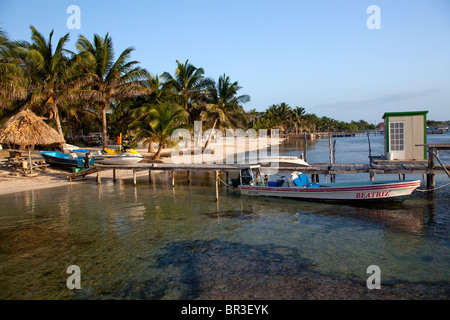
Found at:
[397, 139]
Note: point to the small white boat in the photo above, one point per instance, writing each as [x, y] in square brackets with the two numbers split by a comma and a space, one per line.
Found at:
[120, 156]
[280, 160]
[296, 185]
[434, 130]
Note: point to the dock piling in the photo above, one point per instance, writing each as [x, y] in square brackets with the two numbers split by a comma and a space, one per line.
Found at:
[173, 178]
[217, 185]
[430, 175]
[305, 146]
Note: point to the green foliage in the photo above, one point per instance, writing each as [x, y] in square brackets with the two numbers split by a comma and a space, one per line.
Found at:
[85, 91]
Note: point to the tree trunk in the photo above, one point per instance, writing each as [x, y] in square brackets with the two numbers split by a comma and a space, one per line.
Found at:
[105, 133]
[158, 154]
[209, 138]
[57, 121]
[58, 125]
[151, 149]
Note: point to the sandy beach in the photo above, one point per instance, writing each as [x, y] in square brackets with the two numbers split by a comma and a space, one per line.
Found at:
[14, 181]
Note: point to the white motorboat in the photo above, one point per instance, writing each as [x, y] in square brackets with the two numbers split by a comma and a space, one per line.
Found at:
[121, 156]
[277, 160]
[296, 185]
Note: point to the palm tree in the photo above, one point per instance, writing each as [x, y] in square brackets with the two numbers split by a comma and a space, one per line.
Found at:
[224, 106]
[115, 79]
[190, 84]
[326, 124]
[311, 121]
[55, 76]
[285, 115]
[144, 132]
[164, 118]
[159, 91]
[141, 106]
[261, 123]
[252, 115]
[298, 114]
[14, 84]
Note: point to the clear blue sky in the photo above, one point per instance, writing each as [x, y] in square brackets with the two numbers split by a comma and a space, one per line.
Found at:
[317, 54]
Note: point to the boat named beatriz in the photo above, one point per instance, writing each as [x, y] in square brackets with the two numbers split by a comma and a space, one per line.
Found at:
[297, 185]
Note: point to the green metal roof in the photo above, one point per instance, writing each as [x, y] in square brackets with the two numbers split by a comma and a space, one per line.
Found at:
[405, 113]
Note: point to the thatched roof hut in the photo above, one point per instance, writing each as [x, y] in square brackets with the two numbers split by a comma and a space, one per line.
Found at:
[27, 129]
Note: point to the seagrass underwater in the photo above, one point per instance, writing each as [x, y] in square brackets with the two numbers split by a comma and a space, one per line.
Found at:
[158, 242]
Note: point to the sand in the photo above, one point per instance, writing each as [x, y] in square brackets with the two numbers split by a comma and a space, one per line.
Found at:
[12, 181]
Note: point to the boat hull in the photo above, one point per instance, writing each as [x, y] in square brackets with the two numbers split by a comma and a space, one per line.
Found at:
[277, 161]
[118, 160]
[63, 160]
[392, 191]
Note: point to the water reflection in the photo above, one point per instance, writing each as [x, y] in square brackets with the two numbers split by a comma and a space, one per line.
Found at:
[430, 208]
[155, 241]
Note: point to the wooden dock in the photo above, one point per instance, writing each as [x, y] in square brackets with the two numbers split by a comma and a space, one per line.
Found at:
[391, 167]
[386, 167]
[158, 167]
[161, 167]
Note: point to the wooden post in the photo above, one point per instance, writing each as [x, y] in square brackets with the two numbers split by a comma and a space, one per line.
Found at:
[430, 175]
[370, 149]
[331, 148]
[134, 177]
[188, 177]
[99, 180]
[217, 185]
[150, 176]
[114, 175]
[173, 178]
[29, 158]
[334, 151]
[306, 144]
[372, 176]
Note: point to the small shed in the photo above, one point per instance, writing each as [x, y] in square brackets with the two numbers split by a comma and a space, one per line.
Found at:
[403, 131]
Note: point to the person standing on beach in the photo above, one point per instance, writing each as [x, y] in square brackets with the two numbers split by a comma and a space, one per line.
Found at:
[87, 159]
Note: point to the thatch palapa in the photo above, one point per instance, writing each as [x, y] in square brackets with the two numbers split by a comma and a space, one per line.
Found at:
[27, 129]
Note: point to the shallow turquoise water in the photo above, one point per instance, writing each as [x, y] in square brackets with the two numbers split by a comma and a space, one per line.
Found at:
[152, 241]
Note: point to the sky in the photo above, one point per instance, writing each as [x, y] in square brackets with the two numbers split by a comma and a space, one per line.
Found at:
[317, 54]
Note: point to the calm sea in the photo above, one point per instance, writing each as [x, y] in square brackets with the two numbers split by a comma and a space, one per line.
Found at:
[152, 241]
